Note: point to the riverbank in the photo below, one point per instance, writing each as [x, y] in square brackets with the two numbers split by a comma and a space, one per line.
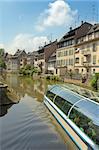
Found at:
[7, 96]
[79, 83]
[40, 83]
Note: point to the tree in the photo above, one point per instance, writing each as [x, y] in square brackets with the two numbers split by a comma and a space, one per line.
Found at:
[1, 52]
[2, 63]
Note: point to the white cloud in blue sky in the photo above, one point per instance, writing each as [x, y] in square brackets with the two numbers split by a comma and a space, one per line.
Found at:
[59, 13]
[27, 42]
[22, 20]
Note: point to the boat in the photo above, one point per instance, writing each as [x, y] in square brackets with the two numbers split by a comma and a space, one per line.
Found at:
[77, 115]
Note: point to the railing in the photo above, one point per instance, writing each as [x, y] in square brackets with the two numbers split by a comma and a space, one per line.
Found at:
[86, 64]
[86, 52]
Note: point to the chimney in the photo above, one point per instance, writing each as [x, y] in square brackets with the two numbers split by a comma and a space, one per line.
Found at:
[70, 28]
[45, 43]
[82, 22]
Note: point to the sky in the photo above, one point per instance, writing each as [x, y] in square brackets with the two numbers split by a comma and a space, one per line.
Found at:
[28, 24]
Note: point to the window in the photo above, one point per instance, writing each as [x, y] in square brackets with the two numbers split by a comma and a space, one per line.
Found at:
[59, 102]
[77, 60]
[93, 70]
[94, 47]
[82, 60]
[66, 62]
[90, 36]
[50, 95]
[56, 71]
[67, 105]
[65, 53]
[94, 59]
[82, 70]
[96, 34]
[63, 104]
[85, 124]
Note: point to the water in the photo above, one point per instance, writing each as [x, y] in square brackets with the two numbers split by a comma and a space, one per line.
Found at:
[28, 125]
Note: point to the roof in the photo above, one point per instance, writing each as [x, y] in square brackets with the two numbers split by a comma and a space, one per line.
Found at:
[88, 107]
[50, 43]
[94, 28]
[40, 51]
[76, 32]
[19, 52]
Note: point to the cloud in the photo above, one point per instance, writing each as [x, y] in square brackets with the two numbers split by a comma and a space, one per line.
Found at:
[1, 45]
[26, 41]
[59, 13]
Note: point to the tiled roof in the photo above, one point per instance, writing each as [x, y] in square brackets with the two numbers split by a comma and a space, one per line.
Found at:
[19, 52]
[78, 32]
[94, 28]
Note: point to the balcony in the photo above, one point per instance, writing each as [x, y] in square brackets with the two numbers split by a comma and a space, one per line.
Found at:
[86, 64]
[86, 52]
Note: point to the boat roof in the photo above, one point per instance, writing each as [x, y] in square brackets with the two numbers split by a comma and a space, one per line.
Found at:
[85, 105]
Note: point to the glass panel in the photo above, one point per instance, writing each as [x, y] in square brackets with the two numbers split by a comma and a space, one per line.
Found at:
[50, 95]
[66, 107]
[85, 124]
[66, 94]
[89, 109]
[56, 90]
[69, 96]
[59, 102]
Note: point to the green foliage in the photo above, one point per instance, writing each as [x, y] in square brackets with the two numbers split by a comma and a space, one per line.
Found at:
[1, 51]
[28, 70]
[2, 63]
[94, 80]
[52, 77]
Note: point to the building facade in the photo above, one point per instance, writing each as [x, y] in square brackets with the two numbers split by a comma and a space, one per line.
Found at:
[65, 55]
[51, 64]
[50, 55]
[87, 52]
[30, 58]
[16, 61]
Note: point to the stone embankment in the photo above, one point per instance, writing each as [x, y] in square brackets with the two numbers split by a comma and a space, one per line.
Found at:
[6, 97]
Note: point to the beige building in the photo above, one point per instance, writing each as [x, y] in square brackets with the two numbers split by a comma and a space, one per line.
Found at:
[65, 55]
[87, 52]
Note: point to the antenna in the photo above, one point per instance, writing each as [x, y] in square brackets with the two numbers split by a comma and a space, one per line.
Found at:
[97, 13]
[94, 13]
[51, 37]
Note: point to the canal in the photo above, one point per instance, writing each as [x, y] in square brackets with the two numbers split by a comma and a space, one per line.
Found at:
[28, 125]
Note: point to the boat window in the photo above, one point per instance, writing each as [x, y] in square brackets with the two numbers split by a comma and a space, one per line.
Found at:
[50, 95]
[85, 124]
[59, 102]
[66, 107]
[62, 104]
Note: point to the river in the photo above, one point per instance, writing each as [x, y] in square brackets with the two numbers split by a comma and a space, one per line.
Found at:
[28, 125]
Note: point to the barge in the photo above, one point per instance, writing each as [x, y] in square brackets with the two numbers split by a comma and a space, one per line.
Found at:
[77, 115]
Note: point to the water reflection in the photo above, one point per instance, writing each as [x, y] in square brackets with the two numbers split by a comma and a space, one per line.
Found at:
[22, 86]
[28, 125]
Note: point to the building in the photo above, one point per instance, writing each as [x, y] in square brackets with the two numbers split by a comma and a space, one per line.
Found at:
[40, 59]
[35, 55]
[50, 56]
[65, 54]
[30, 58]
[87, 52]
[52, 64]
[16, 61]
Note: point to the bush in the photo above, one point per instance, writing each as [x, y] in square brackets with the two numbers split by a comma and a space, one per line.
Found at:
[55, 78]
[28, 70]
[94, 81]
